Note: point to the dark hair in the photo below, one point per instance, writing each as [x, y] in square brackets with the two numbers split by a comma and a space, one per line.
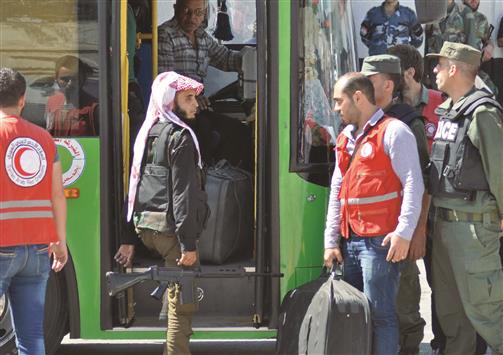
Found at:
[409, 58]
[357, 81]
[12, 87]
[397, 80]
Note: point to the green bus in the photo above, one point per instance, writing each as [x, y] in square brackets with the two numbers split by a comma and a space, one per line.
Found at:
[300, 49]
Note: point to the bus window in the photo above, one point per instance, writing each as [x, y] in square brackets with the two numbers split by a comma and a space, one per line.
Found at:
[54, 44]
[325, 49]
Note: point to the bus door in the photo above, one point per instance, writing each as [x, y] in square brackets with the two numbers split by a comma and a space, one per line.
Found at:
[235, 115]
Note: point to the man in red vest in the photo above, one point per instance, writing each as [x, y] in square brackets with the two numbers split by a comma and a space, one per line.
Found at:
[32, 214]
[375, 202]
[414, 92]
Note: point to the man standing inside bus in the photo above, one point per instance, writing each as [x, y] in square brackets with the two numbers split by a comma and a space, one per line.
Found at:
[186, 48]
[374, 204]
[32, 214]
[167, 200]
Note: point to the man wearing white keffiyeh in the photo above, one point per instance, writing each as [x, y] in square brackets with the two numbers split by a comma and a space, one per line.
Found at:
[167, 201]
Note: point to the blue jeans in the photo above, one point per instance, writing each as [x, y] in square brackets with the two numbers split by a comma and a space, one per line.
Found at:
[24, 271]
[366, 268]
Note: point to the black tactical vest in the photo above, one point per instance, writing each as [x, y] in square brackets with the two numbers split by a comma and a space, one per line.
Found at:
[456, 169]
[154, 188]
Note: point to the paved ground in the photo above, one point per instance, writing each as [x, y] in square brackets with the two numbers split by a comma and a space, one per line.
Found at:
[425, 310]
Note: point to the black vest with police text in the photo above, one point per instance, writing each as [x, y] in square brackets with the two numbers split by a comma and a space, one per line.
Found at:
[456, 169]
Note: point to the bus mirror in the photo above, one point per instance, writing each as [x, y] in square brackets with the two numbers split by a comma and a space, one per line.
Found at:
[430, 10]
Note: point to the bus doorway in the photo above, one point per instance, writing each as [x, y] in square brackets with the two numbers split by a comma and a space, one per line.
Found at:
[235, 175]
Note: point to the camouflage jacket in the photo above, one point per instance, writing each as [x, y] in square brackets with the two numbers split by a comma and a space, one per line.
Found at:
[476, 27]
[379, 31]
[451, 28]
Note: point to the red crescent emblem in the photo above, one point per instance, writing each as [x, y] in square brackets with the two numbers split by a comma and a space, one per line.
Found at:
[18, 166]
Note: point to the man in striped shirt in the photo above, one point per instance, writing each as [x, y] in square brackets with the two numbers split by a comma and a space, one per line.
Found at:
[186, 48]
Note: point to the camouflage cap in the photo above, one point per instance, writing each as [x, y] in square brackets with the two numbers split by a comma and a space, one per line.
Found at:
[460, 52]
[381, 64]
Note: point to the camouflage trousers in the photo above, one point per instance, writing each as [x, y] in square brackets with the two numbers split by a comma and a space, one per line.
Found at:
[411, 325]
[179, 327]
[468, 284]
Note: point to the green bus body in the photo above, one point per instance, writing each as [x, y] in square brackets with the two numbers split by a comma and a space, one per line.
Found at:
[300, 237]
[296, 209]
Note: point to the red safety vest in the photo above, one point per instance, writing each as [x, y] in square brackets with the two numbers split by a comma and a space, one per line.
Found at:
[73, 122]
[431, 119]
[27, 154]
[370, 193]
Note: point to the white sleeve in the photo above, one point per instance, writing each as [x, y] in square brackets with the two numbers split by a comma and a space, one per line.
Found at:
[332, 225]
[400, 145]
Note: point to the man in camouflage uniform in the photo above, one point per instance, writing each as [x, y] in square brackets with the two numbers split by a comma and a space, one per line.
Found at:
[476, 28]
[467, 192]
[390, 24]
[478, 33]
[451, 28]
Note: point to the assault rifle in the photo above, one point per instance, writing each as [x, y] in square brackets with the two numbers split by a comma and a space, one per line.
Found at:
[118, 281]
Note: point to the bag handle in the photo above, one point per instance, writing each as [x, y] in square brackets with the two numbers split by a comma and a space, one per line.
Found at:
[336, 271]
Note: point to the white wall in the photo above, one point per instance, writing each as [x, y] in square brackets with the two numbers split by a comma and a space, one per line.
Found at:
[493, 9]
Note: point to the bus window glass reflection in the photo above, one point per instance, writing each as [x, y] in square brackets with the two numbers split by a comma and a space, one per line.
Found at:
[36, 35]
[326, 52]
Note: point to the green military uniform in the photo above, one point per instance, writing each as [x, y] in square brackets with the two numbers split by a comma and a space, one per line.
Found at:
[411, 325]
[467, 270]
[451, 28]
[476, 27]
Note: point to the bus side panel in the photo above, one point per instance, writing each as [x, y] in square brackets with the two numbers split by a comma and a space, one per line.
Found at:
[302, 204]
[80, 165]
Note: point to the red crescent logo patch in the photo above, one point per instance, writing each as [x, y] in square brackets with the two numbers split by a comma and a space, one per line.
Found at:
[25, 162]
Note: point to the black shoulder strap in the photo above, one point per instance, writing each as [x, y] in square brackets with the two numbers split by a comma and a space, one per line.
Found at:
[161, 132]
[479, 97]
[403, 112]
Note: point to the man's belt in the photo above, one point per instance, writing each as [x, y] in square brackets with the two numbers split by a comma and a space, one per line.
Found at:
[458, 216]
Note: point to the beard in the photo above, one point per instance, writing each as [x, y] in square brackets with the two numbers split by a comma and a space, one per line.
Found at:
[182, 114]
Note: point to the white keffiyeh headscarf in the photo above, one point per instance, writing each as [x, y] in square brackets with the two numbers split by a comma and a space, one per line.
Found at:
[161, 105]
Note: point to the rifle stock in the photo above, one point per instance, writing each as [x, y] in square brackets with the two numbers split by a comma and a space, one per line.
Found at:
[118, 281]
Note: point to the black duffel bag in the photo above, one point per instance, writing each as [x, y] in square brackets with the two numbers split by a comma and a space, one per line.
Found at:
[229, 230]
